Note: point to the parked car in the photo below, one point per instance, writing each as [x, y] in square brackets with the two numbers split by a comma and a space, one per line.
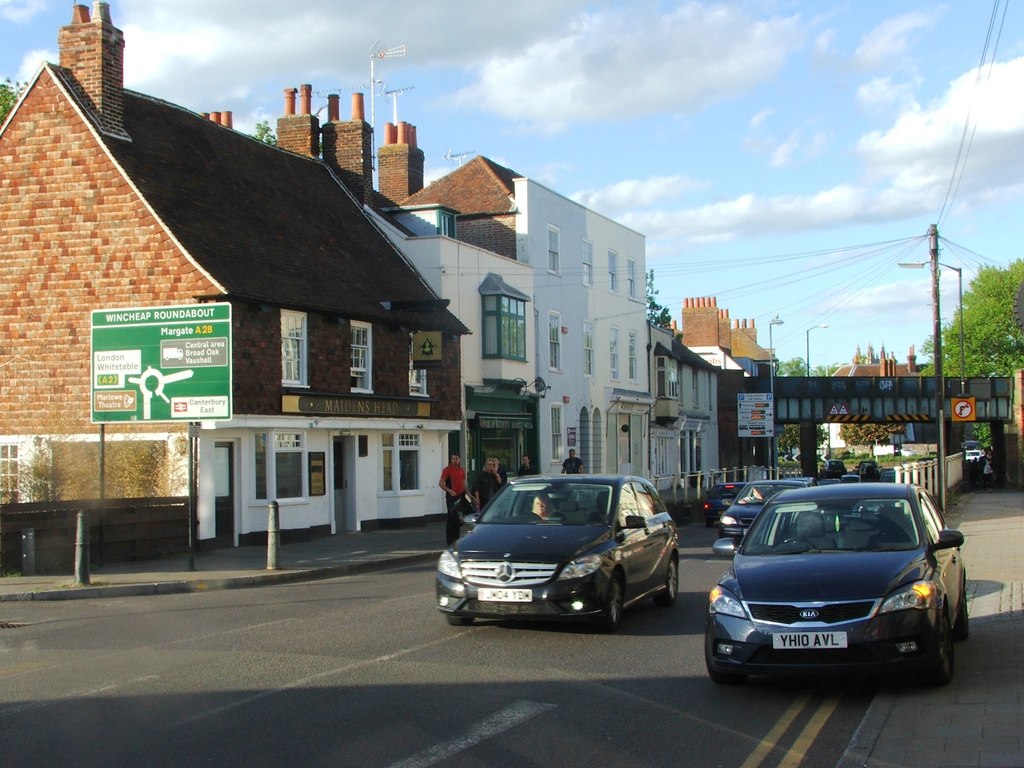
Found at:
[859, 578]
[974, 454]
[576, 547]
[748, 502]
[832, 468]
[850, 477]
[717, 499]
[887, 475]
[868, 470]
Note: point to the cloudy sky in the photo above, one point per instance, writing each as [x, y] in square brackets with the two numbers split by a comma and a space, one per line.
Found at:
[782, 156]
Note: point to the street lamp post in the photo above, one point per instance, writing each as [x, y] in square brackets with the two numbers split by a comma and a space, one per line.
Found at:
[820, 325]
[771, 380]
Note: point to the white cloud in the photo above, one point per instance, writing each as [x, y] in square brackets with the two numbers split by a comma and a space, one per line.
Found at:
[631, 194]
[881, 94]
[761, 117]
[629, 63]
[18, 11]
[891, 39]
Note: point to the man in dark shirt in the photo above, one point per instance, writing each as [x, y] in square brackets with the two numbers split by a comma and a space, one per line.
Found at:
[572, 465]
[526, 466]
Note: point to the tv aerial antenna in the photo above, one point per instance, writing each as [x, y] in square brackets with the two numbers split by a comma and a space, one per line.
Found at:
[379, 51]
[394, 93]
[457, 157]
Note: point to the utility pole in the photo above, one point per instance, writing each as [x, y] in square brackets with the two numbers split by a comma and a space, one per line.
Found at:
[940, 382]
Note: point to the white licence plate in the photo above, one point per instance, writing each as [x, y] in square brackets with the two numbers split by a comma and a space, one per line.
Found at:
[506, 595]
[798, 641]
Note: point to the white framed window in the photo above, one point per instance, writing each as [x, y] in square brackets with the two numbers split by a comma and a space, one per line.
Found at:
[613, 271]
[588, 347]
[668, 378]
[613, 351]
[418, 382]
[278, 464]
[588, 262]
[631, 277]
[504, 319]
[293, 348]
[555, 341]
[632, 363]
[400, 462]
[554, 250]
[8, 474]
[362, 358]
[557, 449]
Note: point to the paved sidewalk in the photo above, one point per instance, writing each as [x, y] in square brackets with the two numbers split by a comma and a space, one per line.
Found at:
[978, 720]
[238, 567]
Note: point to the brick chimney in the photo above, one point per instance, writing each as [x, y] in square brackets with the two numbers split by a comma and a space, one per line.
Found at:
[702, 323]
[399, 162]
[93, 50]
[299, 133]
[348, 147]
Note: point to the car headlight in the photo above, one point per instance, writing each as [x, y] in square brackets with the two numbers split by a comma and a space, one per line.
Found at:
[720, 601]
[448, 565]
[729, 520]
[921, 595]
[580, 567]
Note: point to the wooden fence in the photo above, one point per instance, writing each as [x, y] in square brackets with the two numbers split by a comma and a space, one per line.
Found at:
[42, 534]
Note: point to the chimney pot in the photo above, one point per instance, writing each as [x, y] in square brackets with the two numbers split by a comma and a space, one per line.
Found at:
[333, 107]
[390, 132]
[215, 116]
[101, 11]
[305, 98]
[227, 120]
[289, 101]
[403, 133]
[358, 112]
[80, 14]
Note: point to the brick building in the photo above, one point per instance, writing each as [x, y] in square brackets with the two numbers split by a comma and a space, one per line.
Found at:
[112, 198]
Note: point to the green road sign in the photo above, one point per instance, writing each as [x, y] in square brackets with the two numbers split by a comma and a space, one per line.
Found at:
[161, 363]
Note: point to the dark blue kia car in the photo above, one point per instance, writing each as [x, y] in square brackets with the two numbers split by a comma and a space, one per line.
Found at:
[863, 577]
[568, 547]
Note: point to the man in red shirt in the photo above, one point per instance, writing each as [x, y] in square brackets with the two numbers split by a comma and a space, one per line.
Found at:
[453, 483]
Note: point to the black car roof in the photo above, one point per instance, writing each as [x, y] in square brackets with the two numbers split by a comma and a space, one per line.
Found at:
[851, 491]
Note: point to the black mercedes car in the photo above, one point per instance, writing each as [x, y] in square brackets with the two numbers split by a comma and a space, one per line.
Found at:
[563, 547]
[862, 577]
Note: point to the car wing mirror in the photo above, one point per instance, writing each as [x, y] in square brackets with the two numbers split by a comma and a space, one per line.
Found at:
[635, 521]
[948, 539]
[724, 547]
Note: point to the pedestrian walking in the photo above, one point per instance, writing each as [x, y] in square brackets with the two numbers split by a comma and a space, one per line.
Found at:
[573, 465]
[987, 471]
[453, 483]
[487, 483]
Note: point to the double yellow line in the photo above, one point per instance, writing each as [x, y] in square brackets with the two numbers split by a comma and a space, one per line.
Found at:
[803, 741]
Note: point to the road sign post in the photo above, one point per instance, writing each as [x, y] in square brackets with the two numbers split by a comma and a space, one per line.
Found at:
[159, 364]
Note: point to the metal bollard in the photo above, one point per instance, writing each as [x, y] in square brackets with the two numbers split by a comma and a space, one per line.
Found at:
[82, 550]
[273, 534]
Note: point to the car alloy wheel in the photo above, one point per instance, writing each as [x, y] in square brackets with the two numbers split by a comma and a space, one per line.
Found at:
[668, 595]
[611, 619]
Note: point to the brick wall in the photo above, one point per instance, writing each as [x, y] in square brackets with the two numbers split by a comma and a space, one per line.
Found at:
[493, 233]
[75, 237]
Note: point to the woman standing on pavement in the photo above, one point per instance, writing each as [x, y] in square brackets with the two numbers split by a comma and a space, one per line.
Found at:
[453, 483]
[488, 483]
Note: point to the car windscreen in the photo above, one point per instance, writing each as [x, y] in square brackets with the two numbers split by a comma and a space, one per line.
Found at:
[557, 503]
[759, 493]
[861, 524]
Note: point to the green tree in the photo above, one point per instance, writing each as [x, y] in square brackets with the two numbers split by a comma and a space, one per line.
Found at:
[793, 367]
[869, 434]
[789, 437]
[264, 133]
[9, 95]
[656, 314]
[993, 342]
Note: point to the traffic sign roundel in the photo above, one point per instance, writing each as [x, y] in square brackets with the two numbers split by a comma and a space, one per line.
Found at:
[963, 409]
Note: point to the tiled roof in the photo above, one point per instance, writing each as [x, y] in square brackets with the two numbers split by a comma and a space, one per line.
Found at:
[481, 186]
[267, 225]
